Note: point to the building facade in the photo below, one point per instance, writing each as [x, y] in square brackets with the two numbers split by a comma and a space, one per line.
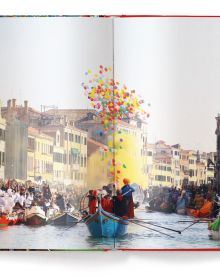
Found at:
[2, 146]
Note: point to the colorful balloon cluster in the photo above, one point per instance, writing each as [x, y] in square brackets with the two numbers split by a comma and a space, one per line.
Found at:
[111, 101]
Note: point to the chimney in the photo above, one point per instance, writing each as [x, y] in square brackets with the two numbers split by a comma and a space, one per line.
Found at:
[9, 104]
[13, 103]
[26, 106]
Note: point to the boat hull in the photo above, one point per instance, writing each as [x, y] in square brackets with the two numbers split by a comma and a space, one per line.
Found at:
[4, 222]
[214, 235]
[35, 220]
[65, 219]
[104, 224]
[196, 213]
[35, 216]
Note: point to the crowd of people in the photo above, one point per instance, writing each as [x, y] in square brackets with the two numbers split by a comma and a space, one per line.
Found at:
[194, 197]
[16, 196]
[119, 202]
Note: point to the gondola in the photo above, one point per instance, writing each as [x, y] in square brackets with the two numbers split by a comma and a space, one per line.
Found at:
[35, 216]
[104, 224]
[4, 221]
[12, 219]
[203, 212]
[214, 229]
[65, 219]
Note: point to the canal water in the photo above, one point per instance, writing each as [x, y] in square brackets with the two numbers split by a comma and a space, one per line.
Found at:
[77, 237]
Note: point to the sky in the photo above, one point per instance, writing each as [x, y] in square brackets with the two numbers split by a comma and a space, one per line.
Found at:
[174, 63]
[44, 60]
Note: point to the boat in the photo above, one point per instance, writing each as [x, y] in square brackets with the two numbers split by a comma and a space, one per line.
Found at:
[35, 216]
[12, 219]
[214, 229]
[105, 224]
[203, 212]
[4, 221]
[21, 217]
[65, 219]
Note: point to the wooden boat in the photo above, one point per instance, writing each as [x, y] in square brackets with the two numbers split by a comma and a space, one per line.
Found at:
[214, 229]
[204, 212]
[35, 216]
[21, 217]
[65, 219]
[4, 221]
[104, 224]
[12, 220]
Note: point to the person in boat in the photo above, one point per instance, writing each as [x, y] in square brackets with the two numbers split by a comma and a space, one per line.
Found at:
[199, 201]
[181, 202]
[46, 192]
[60, 201]
[28, 200]
[119, 204]
[21, 200]
[127, 193]
[106, 201]
[93, 198]
[205, 211]
[2, 201]
[31, 189]
[216, 205]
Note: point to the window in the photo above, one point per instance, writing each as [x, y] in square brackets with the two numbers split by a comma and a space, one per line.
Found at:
[2, 134]
[65, 158]
[85, 141]
[58, 157]
[31, 143]
[70, 158]
[71, 137]
[66, 136]
[58, 138]
[160, 178]
[3, 158]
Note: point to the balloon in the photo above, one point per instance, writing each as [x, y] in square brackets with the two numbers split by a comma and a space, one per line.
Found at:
[112, 103]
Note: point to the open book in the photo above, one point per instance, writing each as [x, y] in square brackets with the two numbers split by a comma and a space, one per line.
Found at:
[108, 129]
